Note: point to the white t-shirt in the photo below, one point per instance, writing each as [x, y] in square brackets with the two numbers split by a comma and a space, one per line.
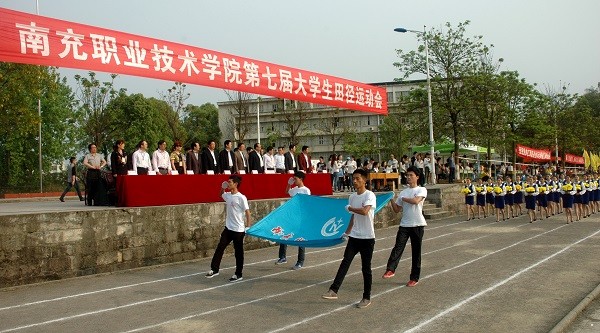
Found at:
[296, 190]
[412, 215]
[237, 204]
[363, 224]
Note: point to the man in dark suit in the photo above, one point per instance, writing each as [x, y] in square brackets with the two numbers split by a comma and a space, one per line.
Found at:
[192, 158]
[304, 162]
[241, 159]
[290, 159]
[208, 160]
[255, 159]
[227, 158]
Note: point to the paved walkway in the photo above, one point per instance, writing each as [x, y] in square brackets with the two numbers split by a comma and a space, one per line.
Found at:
[477, 276]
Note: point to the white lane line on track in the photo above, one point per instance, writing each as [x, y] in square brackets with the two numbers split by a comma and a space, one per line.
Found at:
[308, 319]
[191, 275]
[286, 292]
[491, 288]
[200, 290]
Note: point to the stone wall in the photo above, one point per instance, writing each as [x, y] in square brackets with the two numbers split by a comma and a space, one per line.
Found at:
[448, 197]
[50, 246]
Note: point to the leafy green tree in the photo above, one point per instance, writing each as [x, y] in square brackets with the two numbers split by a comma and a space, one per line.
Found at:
[360, 144]
[94, 97]
[452, 57]
[134, 118]
[201, 123]
[20, 88]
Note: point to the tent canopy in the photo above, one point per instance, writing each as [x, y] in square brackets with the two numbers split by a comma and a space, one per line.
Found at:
[446, 148]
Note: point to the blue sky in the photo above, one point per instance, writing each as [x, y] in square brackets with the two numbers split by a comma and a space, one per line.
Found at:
[551, 43]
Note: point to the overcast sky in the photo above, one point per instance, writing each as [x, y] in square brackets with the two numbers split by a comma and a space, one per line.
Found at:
[549, 42]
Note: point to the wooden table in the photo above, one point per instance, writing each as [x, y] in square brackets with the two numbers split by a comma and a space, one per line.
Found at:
[385, 177]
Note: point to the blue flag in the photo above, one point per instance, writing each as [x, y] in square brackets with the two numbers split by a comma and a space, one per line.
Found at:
[309, 221]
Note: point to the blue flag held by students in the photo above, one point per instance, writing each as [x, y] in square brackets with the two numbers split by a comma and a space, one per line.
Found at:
[309, 221]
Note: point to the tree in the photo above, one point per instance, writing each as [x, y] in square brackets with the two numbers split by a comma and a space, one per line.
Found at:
[175, 98]
[239, 114]
[334, 128]
[452, 58]
[394, 132]
[202, 123]
[134, 118]
[20, 88]
[293, 116]
[360, 144]
[94, 97]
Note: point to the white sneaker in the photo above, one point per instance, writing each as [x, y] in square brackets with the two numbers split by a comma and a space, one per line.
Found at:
[235, 278]
[211, 274]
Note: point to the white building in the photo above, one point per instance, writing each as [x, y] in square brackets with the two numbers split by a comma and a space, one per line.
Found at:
[320, 125]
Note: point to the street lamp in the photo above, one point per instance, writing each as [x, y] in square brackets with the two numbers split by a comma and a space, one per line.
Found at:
[258, 120]
[37, 12]
[431, 141]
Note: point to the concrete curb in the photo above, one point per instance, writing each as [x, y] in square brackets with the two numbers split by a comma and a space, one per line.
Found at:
[568, 320]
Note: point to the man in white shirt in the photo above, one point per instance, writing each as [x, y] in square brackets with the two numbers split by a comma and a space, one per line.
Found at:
[412, 225]
[361, 237]
[141, 159]
[161, 160]
[393, 163]
[269, 159]
[93, 161]
[236, 222]
[280, 161]
[297, 180]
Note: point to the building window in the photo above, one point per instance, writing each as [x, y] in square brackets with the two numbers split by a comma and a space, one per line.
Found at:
[321, 140]
[274, 107]
[390, 96]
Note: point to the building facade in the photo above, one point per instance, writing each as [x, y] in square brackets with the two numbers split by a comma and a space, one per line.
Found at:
[281, 122]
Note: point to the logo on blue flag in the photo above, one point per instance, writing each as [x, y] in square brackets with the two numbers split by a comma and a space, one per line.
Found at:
[309, 221]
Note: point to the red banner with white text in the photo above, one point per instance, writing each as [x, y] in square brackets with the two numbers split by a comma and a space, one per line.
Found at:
[574, 159]
[533, 154]
[32, 39]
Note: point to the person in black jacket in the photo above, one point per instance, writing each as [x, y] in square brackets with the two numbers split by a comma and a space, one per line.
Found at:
[208, 158]
[255, 159]
[227, 158]
[290, 159]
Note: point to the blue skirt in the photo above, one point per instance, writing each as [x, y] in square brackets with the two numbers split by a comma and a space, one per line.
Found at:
[519, 197]
[481, 200]
[577, 198]
[556, 197]
[499, 202]
[469, 200]
[530, 202]
[585, 198]
[567, 200]
[542, 200]
[596, 195]
[509, 198]
[489, 198]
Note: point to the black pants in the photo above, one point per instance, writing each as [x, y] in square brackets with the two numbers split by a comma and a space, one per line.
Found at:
[68, 188]
[227, 236]
[92, 184]
[452, 175]
[365, 248]
[416, 240]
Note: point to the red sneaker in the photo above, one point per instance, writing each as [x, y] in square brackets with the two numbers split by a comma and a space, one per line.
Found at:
[412, 283]
[388, 274]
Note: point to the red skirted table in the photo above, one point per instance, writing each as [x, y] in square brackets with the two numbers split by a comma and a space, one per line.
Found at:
[144, 190]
